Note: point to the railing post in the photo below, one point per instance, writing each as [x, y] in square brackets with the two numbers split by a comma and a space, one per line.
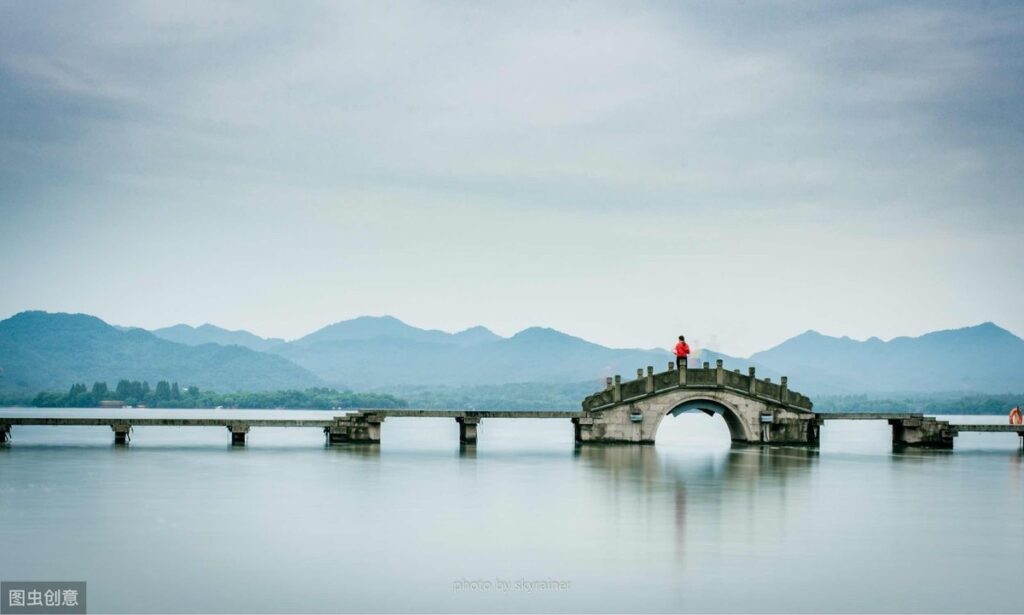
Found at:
[671, 366]
[719, 373]
[707, 365]
[682, 373]
[617, 389]
[649, 385]
[783, 389]
[753, 381]
[639, 373]
[608, 383]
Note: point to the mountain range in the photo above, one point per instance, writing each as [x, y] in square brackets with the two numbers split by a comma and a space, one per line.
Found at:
[42, 351]
[39, 350]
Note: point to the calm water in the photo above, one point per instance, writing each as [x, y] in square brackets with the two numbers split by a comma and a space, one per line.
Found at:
[181, 522]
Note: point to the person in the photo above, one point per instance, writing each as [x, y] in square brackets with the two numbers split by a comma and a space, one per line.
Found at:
[682, 352]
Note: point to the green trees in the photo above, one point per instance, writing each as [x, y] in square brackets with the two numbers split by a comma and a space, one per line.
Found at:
[169, 395]
[163, 391]
[99, 391]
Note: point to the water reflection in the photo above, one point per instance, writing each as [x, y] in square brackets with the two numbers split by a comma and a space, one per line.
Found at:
[702, 491]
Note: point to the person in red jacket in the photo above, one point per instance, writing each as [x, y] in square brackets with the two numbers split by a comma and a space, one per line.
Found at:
[682, 351]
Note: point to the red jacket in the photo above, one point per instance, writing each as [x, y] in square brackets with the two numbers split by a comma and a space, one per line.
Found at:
[682, 349]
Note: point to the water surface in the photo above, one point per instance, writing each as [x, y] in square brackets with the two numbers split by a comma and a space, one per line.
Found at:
[181, 522]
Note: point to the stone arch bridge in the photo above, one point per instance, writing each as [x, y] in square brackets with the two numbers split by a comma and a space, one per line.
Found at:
[756, 411]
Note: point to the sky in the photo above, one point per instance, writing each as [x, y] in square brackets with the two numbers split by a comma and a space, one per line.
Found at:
[623, 172]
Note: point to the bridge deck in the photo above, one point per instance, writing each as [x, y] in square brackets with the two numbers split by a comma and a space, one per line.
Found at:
[1006, 428]
[163, 422]
[866, 416]
[226, 421]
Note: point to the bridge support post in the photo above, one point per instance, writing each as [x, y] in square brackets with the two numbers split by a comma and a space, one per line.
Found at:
[778, 428]
[358, 428]
[923, 432]
[581, 428]
[5, 433]
[238, 431]
[467, 429]
[719, 373]
[122, 433]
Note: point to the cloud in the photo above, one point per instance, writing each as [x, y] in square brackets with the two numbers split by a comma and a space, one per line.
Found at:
[604, 130]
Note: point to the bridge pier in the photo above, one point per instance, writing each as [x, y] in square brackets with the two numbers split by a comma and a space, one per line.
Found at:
[789, 431]
[122, 433]
[467, 428]
[5, 433]
[922, 432]
[362, 428]
[238, 431]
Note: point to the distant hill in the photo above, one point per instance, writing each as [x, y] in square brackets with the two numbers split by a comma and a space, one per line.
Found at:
[983, 358]
[381, 352]
[39, 350]
[389, 327]
[210, 334]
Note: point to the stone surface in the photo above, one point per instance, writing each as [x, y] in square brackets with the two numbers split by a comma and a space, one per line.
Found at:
[756, 412]
[924, 432]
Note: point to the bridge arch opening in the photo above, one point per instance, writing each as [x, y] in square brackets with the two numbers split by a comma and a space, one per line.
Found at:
[698, 422]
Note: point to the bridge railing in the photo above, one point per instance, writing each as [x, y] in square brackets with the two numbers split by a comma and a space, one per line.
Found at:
[650, 383]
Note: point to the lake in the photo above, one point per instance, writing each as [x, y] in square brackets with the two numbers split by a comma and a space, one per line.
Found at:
[179, 521]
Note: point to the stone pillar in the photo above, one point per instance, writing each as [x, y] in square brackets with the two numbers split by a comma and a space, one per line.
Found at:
[682, 374]
[335, 434]
[671, 366]
[354, 428]
[753, 381]
[707, 365]
[719, 373]
[617, 389]
[5, 433]
[608, 383]
[783, 428]
[121, 433]
[783, 389]
[368, 429]
[582, 428]
[467, 429]
[639, 373]
[238, 431]
[922, 432]
[649, 384]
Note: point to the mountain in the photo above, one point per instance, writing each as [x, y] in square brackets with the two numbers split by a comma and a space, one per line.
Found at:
[210, 334]
[39, 350]
[381, 352]
[982, 358]
[389, 327]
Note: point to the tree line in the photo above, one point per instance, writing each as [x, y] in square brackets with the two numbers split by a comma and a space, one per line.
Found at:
[170, 395]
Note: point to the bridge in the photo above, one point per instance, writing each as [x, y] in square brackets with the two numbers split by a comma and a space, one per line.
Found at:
[756, 411]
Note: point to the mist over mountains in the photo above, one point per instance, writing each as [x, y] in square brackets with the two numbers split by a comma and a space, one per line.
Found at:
[39, 350]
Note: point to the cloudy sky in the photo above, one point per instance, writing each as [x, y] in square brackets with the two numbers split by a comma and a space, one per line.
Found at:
[623, 172]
